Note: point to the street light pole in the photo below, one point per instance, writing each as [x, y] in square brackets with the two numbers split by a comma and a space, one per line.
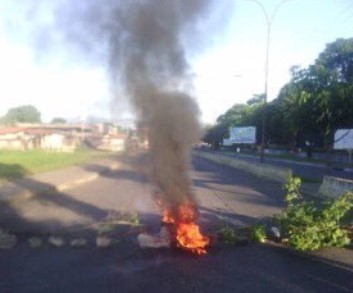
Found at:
[269, 21]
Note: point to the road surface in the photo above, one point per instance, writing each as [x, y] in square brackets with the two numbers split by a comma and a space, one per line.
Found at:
[309, 170]
[225, 196]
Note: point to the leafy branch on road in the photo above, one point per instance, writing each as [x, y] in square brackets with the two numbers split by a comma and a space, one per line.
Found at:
[309, 225]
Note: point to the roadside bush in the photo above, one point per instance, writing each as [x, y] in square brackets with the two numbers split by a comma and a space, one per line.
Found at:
[309, 225]
[259, 233]
[228, 235]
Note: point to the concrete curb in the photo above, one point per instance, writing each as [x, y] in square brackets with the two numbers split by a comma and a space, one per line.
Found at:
[91, 177]
[15, 191]
[66, 186]
[265, 171]
[334, 187]
[88, 178]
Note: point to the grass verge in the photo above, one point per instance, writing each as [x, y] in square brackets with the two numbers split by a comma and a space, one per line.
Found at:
[17, 164]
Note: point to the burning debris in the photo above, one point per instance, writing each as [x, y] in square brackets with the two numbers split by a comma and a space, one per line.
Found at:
[188, 233]
[179, 229]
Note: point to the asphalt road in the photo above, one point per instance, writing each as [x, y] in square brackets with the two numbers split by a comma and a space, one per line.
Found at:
[225, 195]
[309, 170]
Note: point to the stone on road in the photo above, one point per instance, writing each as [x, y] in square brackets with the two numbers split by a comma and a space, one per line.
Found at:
[225, 196]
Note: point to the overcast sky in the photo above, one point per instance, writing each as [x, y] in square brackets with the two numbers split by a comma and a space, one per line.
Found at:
[228, 69]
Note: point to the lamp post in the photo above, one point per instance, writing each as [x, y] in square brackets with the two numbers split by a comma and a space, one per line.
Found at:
[269, 21]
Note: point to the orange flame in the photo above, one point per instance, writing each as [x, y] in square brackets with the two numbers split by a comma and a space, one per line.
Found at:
[188, 234]
[189, 237]
[168, 217]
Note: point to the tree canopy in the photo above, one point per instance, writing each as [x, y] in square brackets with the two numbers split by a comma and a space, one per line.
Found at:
[311, 106]
[58, 120]
[22, 114]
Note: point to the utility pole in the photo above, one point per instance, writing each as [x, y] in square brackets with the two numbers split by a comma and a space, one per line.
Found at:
[269, 21]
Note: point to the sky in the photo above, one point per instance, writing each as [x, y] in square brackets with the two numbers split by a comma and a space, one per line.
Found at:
[228, 69]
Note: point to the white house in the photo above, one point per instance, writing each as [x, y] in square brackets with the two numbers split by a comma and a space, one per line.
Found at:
[18, 138]
[13, 138]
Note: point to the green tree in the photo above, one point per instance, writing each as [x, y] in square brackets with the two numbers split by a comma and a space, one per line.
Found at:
[234, 116]
[316, 100]
[328, 84]
[214, 134]
[58, 120]
[333, 73]
[256, 100]
[249, 114]
[22, 114]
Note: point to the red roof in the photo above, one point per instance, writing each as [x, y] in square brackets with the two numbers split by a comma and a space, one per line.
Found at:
[31, 131]
[34, 131]
[7, 130]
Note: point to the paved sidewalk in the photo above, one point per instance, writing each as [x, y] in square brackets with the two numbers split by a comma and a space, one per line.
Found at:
[57, 180]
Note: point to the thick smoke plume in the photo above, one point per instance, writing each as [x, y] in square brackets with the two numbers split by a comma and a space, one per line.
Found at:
[146, 56]
[143, 42]
[150, 55]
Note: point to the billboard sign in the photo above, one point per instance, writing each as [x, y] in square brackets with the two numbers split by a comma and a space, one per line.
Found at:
[243, 135]
[227, 142]
[343, 139]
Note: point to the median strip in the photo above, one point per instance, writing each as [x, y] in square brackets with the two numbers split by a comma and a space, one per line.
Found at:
[268, 172]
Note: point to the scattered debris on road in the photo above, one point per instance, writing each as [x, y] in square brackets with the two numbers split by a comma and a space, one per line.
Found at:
[78, 242]
[155, 241]
[35, 242]
[7, 240]
[56, 241]
[103, 241]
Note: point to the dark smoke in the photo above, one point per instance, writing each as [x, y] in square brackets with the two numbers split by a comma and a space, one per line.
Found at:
[144, 44]
[149, 53]
[147, 57]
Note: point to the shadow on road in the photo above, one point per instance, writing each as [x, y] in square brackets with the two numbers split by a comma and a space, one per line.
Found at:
[225, 176]
[48, 211]
[215, 219]
[12, 171]
[134, 168]
[239, 192]
[45, 212]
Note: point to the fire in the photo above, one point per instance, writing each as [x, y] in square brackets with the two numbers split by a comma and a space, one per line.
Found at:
[189, 237]
[187, 232]
[168, 217]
